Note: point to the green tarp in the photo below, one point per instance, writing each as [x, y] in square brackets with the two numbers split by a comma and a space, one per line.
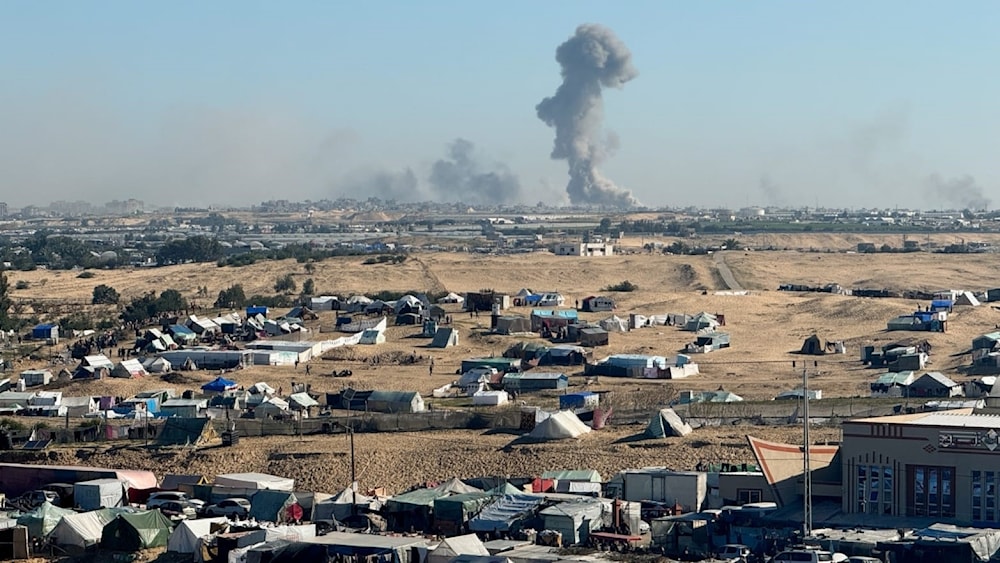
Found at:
[133, 532]
[459, 508]
[43, 519]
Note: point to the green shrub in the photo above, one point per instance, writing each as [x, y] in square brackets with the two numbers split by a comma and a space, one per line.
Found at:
[622, 286]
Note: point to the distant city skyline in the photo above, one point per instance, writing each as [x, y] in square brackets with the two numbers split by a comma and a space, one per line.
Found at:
[732, 104]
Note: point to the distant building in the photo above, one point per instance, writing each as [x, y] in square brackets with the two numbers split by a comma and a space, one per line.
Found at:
[3, 209]
[584, 249]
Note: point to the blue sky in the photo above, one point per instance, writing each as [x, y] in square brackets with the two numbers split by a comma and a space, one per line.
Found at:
[780, 102]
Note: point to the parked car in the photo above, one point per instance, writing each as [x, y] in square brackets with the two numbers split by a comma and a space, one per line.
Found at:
[863, 559]
[156, 499]
[808, 556]
[231, 507]
[734, 553]
[39, 497]
[177, 510]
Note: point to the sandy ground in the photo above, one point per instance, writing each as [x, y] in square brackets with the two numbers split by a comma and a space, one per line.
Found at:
[767, 326]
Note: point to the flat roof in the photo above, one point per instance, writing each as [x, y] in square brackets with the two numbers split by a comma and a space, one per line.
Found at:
[957, 418]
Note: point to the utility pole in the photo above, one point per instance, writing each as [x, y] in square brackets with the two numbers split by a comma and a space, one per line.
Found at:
[807, 515]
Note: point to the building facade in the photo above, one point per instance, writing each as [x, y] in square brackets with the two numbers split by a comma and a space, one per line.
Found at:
[943, 465]
[584, 249]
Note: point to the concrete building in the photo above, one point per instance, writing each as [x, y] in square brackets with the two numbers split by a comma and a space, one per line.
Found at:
[942, 465]
[584, 249]
[3, 209]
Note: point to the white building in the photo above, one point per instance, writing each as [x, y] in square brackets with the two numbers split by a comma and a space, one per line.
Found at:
[584, 249]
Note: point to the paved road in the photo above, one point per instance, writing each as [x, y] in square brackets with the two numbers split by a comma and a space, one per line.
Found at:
[726, 273]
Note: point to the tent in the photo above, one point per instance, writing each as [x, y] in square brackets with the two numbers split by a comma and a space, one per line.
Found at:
[814, 346]
[511, 324]
[667, 423]
[341, 506]
[561, 425]
[275, 506]
[136, 531]
[445, 338]
[407, 304]
[43, 519]
[372, 336]
[452, 547]
[186, 432]
[451, 298]
[219, 385]
[614, 324]
[255, 481]
[156, 364]
[80, 531]
[187, 536]
[967, 298]
[701, 321]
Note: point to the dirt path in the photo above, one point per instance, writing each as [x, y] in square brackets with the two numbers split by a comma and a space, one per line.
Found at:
[726, 273]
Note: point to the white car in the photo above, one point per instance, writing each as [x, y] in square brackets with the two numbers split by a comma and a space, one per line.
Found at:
[231, 508]
[155, 500]
[733, 553]
[808, 556]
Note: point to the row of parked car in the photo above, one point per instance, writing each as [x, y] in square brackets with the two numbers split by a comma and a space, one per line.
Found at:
[176, 505]
[739, 553]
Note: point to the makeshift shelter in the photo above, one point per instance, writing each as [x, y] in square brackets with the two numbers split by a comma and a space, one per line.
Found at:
[574, 520]
[357, 303]
[407, 304]
[412, 509]
[219, 385]
[452, 547]
[702, 321]
[596, 303]
[186, 432]
[275, 506]
[451, 512]
[451, 298]
[137, 531]
[967, 298]
[254, 481]
[526, 351]
[42, 520]
[189, 535]
[156, 364]
[81, 530]
[814, 346]
[507, 513]
[559, 426]
[614, 323]
[395, 401]
[343, 505]
[594, 336]
[445, 338]
[372, 336]
[666, 423]
[512, 324]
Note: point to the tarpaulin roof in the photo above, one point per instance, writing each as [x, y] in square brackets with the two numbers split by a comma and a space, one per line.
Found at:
[84, 529]
[219, 384]
[269, 506]
[457, 508]
[254, 481]
[186, 537]
[43, 519]
[140, 530]
[499, 516]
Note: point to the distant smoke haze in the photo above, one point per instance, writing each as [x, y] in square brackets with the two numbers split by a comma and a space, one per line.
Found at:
[960, 192]
[771, 192]
[463, 176]
[592, 59]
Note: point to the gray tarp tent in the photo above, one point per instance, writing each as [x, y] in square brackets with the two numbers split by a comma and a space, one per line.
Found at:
[665, 423]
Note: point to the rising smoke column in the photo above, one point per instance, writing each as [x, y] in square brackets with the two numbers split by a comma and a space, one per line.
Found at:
[592, 59]
[463, 176]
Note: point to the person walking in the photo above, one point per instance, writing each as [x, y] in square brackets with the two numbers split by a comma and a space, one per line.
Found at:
[430, 368]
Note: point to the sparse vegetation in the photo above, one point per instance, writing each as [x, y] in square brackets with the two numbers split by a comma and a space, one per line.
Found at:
[85, 275]
[386, 259]
[622, 286]
[285, 284]
[22, 284]
[105, 295]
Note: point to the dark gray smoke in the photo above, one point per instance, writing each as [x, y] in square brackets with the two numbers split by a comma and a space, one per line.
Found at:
[592, 59]
[461, 176]
[961, 192]
[386, 185]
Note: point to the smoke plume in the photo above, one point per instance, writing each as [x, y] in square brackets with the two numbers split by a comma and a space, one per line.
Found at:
[961, 192]
[461, 176]
[773, 194]
[592, 59]
[387, 185]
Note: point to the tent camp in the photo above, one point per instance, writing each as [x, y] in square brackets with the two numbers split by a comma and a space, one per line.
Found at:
[814, 346]
[43, 519]
[136, 531]
[219, 385]
[187, 536]
[344, 504]
[451, 298]
[445, 338]
[614, 323]
[80, 531]
[559, 426]
[667, 423]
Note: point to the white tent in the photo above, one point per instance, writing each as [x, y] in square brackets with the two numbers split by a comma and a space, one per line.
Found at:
[80, 530]
[255, 481]
[490, 398]
[452, 298]
[561, 425]
[407, 301]
[372, 336]
[452, 547]
[524, 292]
[967, 298]
[665, 423]
[187, 536]
[614, 324]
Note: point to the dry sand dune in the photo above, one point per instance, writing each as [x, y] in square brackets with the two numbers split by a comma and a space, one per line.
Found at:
[767, 327]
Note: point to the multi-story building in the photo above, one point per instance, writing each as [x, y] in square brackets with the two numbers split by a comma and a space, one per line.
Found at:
[942, 465]
[3, 209]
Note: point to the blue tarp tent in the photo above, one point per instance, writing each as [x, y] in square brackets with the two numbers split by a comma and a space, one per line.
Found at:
[218, 385]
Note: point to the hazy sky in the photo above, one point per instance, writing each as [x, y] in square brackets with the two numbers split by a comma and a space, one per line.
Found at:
[847, 103]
